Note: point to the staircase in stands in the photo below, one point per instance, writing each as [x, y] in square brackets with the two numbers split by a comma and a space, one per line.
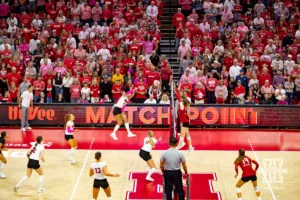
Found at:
[167, 43]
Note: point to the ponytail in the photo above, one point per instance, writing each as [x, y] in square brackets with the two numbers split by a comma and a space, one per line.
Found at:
[38, 141]
[241, 156]
[67, 118]
[150, 136]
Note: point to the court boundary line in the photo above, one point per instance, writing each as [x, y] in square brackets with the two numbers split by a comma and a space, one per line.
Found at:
[83, 166]
[262, 170]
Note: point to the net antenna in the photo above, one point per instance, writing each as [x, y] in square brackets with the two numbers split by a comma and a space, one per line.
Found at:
[172, 111]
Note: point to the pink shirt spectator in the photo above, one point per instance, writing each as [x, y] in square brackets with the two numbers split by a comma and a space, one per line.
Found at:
[96, 13]
[201, 79]
[136, 80]
[149, 46]
[75, 91]
[190, 78]
[267, 89]
[4, 10]
[86, 12]
[62, 70]
[182, 50]
[44, 68]
[242, 29]
[195, 51]
[78, 52]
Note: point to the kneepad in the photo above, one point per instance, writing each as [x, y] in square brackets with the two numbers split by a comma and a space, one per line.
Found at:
[256, 189]
[188, 137]
[238, 190]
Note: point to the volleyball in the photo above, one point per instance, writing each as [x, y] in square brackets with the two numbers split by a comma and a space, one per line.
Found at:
[156, 83]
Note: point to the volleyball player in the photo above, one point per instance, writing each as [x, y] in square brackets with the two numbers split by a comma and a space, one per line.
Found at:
[3, 160]
[118, 112]
[149, 143]
[183, 107]
[99, 169]
[249, 174]
[35, 154]
[69, 131]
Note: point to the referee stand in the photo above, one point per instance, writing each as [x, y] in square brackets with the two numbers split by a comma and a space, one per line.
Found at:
[188, 190]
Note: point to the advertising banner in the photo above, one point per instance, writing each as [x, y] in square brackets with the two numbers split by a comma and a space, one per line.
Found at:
[155, 115]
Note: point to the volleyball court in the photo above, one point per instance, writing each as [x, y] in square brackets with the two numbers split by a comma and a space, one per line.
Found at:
[210, 165]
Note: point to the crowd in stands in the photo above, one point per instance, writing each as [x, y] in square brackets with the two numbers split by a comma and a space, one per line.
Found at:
[82, 51]
[91, 51]
[239, 51]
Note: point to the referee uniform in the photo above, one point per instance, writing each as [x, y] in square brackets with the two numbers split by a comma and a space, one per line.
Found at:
[170, 164]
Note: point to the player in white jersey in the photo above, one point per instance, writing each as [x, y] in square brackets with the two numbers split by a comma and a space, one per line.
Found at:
[99, 170]
[3, 147]
[149, 143]
[118, 112]
[69, 131]
[34, 155]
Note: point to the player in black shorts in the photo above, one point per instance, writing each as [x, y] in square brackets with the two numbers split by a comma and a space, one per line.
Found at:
[34, 155]
[99, 170]
[3, 160]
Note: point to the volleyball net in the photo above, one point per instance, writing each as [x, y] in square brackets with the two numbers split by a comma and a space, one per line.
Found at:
[173, 112]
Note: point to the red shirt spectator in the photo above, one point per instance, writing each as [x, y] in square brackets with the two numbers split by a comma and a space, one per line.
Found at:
[141, 89]
[152, 76]
[14, 78]
[178, 17]
[117, 90]
[263, 77]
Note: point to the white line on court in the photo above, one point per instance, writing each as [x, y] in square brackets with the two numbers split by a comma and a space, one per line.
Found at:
[263, 171]
[83, 166]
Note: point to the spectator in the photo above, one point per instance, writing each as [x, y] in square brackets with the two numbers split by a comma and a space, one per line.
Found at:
[152, 10]
[67, 83]
[277, 63]
[221, 92]
[239, 93]
[229, 4]
[166, 78]
[49, 91]
[244, 79]
[282, 101]
[227, 15]
[297, 87]
[13, 77]
[278, 80]
[117, 90]
[6, 98]
[75, 91]
[267, 90]
[13, 92]
[211, 87]
[41, 98]
[186, 87]
[155, 91]
[38, 87]
[164, 99]
[152, 76]
[154, 59]
[234, 70]
[289, 88]
[151, 100]
[140, 90]
[264, 76]
[199, 94]
[279, 92]
[250, 100]
[187, 75]
[106, 86]
[178, 18]
[253, 81]
[58, 84]
[117, 76]
[86, 91]
[149, 45]
[289, 64]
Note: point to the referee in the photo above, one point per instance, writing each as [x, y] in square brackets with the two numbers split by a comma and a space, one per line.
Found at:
[170, 165]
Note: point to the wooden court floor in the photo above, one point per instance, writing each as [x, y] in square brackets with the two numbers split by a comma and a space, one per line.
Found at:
[64, 181]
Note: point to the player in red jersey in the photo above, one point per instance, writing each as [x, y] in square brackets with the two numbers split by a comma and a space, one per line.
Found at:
[245, 164]
[184, 104]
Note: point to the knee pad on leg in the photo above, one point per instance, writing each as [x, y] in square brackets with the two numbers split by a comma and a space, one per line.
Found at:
[257, 189]
[188, 137]
[238, 190]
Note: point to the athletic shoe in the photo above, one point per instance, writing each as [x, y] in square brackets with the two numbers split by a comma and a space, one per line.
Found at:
[182, 145]
[73, 161]
[16, 188]
[69, 154]
[2, 176]
[131, 135]
[191, 149]
[148, 169]
[42, 190]
[149, 179]
[23, 129]
[113, 135]
[28, 128]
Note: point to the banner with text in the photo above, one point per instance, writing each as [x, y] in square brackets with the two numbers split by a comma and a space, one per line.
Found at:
[139, 115]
